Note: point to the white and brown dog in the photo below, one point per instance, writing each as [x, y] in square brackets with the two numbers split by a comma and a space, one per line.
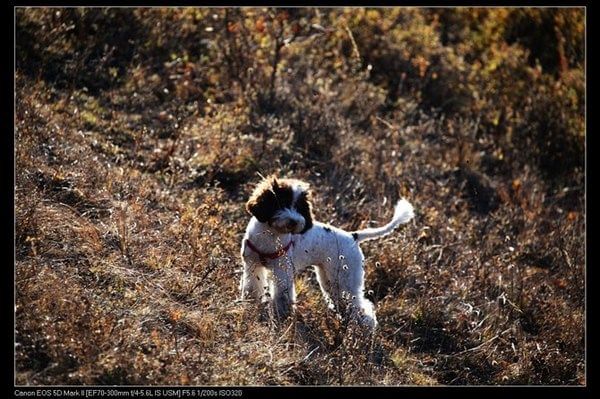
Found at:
[282, 239]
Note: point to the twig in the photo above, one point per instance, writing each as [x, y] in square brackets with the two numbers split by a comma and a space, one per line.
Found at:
[478, 346]
[297, 363]
[354, 45]
[567, 258]
[279, 44]
[388, 124]
[440, 255]
[209, 270]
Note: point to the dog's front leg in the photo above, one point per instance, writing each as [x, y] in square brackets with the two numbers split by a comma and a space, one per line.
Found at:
[254, 281]
[283, 291]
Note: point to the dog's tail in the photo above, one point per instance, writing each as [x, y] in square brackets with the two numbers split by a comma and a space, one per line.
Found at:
[403, 212]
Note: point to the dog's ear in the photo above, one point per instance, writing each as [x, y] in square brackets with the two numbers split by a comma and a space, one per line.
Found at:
[263, 202]
[304, 207]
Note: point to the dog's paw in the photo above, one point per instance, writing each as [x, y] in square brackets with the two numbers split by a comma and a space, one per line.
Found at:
[282, 307]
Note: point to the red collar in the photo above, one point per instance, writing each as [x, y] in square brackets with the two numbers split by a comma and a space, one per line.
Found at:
[269, 255]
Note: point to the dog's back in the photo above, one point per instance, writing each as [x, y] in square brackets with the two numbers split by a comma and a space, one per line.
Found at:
[322, 244]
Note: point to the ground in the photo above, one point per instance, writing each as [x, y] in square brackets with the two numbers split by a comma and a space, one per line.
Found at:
[140, 133]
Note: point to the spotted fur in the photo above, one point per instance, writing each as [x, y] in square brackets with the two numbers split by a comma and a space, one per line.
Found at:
[282, 214]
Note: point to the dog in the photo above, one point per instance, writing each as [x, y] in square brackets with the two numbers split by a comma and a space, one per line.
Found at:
[282, 239]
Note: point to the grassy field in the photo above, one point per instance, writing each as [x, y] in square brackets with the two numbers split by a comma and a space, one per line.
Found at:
[140, 133]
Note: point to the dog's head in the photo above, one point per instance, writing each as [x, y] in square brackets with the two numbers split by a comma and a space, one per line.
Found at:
[284, 204]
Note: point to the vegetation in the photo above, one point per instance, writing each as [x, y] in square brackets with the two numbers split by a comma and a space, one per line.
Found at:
[139, 134]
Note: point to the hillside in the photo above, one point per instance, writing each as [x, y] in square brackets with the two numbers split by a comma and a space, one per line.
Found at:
[140, 133]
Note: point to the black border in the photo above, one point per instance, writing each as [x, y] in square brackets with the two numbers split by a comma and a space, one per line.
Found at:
[350, 3]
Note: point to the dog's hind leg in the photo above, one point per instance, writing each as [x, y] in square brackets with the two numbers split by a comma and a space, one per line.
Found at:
[324, 283]
[345, 285]
[363, 310]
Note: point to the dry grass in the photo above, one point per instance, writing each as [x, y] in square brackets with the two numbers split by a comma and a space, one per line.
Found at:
[131, 178]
